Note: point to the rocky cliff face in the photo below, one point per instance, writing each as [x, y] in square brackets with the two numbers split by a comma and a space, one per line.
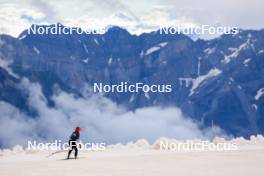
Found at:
[217, 80]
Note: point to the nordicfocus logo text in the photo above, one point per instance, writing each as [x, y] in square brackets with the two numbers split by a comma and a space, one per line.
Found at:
[199, 30]
[59, 145]
[59, 29]
[124, 87]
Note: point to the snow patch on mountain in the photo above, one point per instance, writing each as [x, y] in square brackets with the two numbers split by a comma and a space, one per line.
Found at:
[96, 41]
[85, 48]
[199, 66]
[155, 48]
[255, 107]
[209, 51]
[141, 54]
[163, 44]
[110, 61]
[22, 37]
[196, 82]
[246, 61]
[259, 94]
[152, 50]
[36, 50]
[132, 98]
[86, 60]
[261, 51]
[232, 49]
[147, 95]
[236, 52]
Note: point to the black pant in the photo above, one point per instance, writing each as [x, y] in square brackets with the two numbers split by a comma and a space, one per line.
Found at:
[73, 146]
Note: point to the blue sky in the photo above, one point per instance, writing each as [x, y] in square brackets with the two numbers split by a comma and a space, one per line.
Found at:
[136, 15]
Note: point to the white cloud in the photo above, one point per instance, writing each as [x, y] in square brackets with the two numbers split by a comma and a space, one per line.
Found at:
[137, 16]
[11, 21]
[45, 8]
[101, 120]
[15, 127]
[243, 14]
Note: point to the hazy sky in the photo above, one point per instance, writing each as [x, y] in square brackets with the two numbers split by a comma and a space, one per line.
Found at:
[135, 14]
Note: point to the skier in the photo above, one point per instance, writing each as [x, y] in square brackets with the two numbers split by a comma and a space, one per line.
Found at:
[73, 142]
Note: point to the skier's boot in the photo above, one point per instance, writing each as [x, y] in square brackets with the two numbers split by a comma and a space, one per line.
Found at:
[76, 154]
[69, 153]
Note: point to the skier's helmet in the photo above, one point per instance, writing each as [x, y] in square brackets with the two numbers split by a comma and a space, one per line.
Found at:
[78, 129]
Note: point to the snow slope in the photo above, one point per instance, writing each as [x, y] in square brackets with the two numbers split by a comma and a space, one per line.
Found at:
[140, 158]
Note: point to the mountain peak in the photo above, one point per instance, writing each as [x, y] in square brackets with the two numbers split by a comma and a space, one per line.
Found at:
[117, 29]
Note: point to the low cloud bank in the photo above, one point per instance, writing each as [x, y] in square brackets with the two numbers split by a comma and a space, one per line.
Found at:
[101, 120]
